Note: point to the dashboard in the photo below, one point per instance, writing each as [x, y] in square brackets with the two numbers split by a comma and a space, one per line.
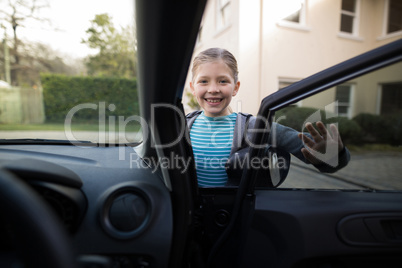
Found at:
[114, 206]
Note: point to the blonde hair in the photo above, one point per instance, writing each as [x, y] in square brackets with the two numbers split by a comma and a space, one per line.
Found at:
[215, 54]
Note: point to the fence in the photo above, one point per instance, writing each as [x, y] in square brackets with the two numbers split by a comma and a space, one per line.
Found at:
[21, 106]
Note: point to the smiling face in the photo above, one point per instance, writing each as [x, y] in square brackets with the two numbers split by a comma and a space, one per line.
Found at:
[214, 86]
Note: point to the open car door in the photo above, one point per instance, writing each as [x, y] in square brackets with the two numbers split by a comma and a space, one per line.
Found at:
[350, 218]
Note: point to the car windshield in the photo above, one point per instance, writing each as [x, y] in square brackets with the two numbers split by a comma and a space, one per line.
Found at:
[68, 71]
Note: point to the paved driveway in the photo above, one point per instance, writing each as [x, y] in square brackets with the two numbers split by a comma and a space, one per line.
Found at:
[381, 171]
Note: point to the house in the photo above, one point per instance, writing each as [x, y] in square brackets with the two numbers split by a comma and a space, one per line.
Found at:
[278, 43]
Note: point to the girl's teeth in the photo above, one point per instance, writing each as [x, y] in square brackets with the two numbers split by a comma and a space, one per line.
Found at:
[214, 100]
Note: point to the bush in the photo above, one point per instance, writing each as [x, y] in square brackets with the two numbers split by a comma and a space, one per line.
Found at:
[61, 93]
[373, 127]
[385, 129]
[349, 130]
[295, 117]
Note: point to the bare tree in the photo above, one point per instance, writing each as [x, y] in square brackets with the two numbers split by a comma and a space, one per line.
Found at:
[16, 13]
[41, 58]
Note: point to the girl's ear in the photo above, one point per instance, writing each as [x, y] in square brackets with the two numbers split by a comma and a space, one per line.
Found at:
[236, 89]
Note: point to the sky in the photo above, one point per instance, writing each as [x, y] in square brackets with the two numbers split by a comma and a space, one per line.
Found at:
[72, 19]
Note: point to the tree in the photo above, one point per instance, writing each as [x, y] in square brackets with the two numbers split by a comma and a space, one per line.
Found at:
[40, 58]
[29, 59]
[15, 14]
[116, 49]
[36, 58]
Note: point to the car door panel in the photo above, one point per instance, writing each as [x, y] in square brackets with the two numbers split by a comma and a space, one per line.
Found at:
[292, 226]
[351, 218]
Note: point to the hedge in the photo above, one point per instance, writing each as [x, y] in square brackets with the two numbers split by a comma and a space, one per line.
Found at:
[363, 128]
[381, 128]
[61, 93]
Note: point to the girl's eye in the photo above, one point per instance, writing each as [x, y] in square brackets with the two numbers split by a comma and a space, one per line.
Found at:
[223, 81]
[203, 81]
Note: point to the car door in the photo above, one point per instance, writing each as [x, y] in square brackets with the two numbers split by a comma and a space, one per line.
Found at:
[350, 218]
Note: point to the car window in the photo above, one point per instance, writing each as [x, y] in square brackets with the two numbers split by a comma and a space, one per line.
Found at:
[368, 113]
[69, 77]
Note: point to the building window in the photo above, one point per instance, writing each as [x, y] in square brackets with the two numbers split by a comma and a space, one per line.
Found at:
[223, 14]
[394, 20]
[343, 96]
[349, 17]
[292, 14]
[287, 82]
[294, 11]
[283, 84]
[199, 35]
[391, 98]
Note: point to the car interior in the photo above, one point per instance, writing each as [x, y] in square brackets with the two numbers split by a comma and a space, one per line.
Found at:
[86, 204]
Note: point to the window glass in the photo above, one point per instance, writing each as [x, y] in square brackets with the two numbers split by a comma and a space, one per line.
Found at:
[348, 5]
[283, 84]
[394, 16]
[346, 23]
[342, 98]
[348, 15]
[294, 10]
[287, 82]
[199, 35]
[69, 77]
[295, 17]
[223, 13]
[373, 138]
[391, 98]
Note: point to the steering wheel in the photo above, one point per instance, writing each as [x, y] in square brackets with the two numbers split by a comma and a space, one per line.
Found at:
[39, 237]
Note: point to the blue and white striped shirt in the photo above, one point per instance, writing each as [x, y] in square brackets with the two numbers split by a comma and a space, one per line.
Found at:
[211, 139]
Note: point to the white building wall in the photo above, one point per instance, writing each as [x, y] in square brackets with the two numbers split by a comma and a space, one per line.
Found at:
[268, 50]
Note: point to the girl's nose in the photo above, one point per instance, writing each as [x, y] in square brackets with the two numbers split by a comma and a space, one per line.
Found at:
[213, 88]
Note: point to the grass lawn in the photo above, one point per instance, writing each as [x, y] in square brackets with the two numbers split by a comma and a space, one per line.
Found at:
[60, 127]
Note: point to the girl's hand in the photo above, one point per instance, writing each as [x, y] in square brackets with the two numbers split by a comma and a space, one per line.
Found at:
[325, 145]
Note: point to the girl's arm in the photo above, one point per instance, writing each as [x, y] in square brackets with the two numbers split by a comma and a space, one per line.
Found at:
[324, 149]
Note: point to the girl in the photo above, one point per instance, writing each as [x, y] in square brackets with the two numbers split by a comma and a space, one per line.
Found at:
[216, 132]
